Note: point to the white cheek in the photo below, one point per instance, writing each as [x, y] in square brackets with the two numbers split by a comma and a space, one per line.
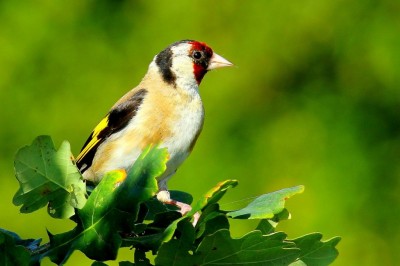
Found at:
[182, 67]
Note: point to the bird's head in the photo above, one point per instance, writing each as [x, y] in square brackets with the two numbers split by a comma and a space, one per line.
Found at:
[185, 63]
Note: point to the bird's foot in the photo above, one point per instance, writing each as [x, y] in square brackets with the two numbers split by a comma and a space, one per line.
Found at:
[184, 208]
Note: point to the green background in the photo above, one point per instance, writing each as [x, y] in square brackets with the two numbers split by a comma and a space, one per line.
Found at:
[314, 99]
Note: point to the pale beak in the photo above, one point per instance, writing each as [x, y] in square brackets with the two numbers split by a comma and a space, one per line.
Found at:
[217, 61]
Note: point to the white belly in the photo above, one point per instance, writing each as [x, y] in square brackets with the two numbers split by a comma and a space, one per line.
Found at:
[184, 136]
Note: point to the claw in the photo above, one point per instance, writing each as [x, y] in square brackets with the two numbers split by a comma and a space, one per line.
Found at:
[184, 208]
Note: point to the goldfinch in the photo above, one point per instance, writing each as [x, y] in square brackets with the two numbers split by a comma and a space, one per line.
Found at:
[164, 109]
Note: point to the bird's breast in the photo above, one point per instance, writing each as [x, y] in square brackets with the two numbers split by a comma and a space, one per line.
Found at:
[185, 130]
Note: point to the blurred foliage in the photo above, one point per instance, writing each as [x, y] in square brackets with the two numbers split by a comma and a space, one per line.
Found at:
[314, 100]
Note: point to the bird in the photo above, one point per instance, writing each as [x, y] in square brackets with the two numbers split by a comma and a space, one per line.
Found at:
[164, 109]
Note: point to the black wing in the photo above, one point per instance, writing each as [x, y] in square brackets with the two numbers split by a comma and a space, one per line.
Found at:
[115, 120]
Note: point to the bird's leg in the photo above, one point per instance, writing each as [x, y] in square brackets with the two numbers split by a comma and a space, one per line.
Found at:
[164, 197]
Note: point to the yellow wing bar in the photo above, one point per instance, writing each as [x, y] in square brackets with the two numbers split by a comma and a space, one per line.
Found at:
[94, 138]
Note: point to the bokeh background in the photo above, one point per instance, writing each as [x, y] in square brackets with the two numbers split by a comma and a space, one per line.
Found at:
[314, 100]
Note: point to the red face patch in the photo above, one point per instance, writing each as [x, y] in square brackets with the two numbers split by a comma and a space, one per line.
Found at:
[201, 46]
[201, 55]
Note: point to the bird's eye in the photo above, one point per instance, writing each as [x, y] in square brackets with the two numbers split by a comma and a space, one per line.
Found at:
[197, 55]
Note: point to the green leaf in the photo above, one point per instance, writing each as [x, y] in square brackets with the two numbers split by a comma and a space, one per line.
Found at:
[48, 177]
[265, 227]
[253, 248]
[283, 215]
[153, 241]
[298, 263]
[176, 250]
[161, 230]
[211, 220]
[98, 263]
[317, 252]
[111, 208]
[210, 198]
[30, 244]
[127, 263]
[267, 205]
[220, 249]
[10, 252]
[140, 259]
[213, 195]
[96, 232]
